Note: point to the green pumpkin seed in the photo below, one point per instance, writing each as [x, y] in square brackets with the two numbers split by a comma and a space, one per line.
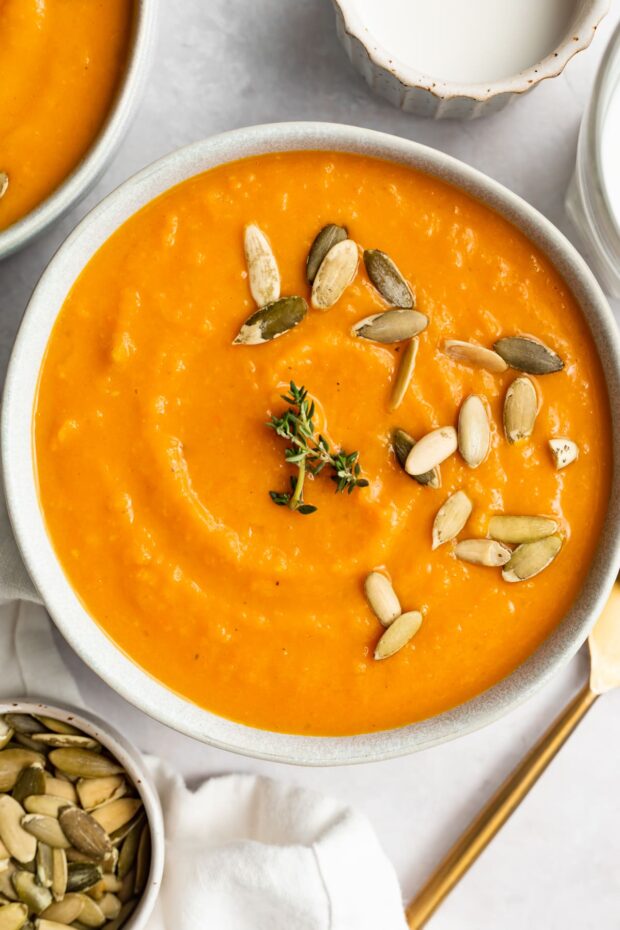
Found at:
[6, 733]
[477, 356]
[431, 450]
[336, 272]
[520, 410]
[531, 558]
[529, 355]
[272, 321]
[58, 726]
[382, 598]
[128, 852]
[46, 829]
[474, 431]
[21, 844]
[30, 780]
[325, 240]
[262, 267]
[45, 924]
[82, 875]
[119, 835]
[521, 529]
[62, 740]
[451, 518]
[44, 865]
[387, 279]
[482, 552]
[12, 761]
[84, 833]
[404, 375]
[23, 723]
[402, 444]
[564, 451]
[4, 183]
[45, 804]
[12, 916]
[59, 788]
[398, 634]
[143, 860]
[391, 326]
[31, 893]
[65, 911]
[84, 763]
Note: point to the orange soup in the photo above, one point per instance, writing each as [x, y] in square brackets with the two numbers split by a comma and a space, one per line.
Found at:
[155, 461]
[60, 61]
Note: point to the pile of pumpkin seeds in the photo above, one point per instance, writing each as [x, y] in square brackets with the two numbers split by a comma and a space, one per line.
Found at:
[74, 841]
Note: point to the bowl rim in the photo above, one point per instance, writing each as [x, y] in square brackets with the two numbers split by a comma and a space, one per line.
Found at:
[586, 22]
[99, 154]
[16, 438]
[134, 764]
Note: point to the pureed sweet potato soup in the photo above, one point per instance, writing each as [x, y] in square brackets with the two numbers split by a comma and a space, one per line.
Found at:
[60, 65]
[179, 487]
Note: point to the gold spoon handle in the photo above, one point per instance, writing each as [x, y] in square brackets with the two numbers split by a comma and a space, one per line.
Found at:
[497, 811]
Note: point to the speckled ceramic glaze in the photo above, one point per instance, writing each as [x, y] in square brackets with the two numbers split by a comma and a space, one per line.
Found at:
[418, 93]
[86, 174]
[136, 768]
[89, 640]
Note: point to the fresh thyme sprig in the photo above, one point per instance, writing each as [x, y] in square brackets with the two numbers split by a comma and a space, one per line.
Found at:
[310, 452]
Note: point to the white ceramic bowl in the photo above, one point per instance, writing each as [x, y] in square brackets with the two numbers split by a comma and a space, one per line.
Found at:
[89, 640]
[88, 171]
[134, 765]
[422, 94]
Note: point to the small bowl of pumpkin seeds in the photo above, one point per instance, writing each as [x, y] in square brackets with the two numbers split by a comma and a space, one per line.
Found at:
[81, 828]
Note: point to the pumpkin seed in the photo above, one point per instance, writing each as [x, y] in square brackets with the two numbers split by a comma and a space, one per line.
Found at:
[119, 835]
[431, 450]
[21, 844]
[46, 829]
[57, 726]
[382, 598]
[127, 855]
[127, 890]
[271, 321]
[91, 914]
[82, 875]
[403, 443]
[45, 804]
[93, 792]
[529, 355]
[65, 740]
[12, 916]
[84, 832]
[531, 558]
[474, 430]
[521, 529]
[404, 375]
[564, 451]
[116, 814]
[264, 277]
[520, 410]
[451, 518]
[143, 860]
[110, 906]
[325, 240]
[126, 911]
[6, 733]
[335, 273]
[23, 723]
[30, 781]
[477, 356]
[482, 552]
[32, 894]
[12, 761]
[398, 634]
[45, 924]
[44, 865]
[84, 763]
[387, 279]
[60, 874]
[391, 326]
[65, 911]
[59, 788]
[6, 885]
[20, 739]
[111, 882]
[4, 183]
[97, 891]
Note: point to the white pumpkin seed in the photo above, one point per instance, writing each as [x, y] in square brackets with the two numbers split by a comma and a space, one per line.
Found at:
[84, 763]
[31, 893]
[45, 804]
[12, 916]
[531, 558]
[59, 788]
[402, 444]
[335, 273]
[263, 273]
[382, 598]
[4, 183]
[477, 356]
[21, 844]
[387, 279]
[91, 914]
[60, 874]
[398, 634]
[474, 430]
[404, 375]
[482, 552]
[110, 906]
[271, 321]
[451, 518]
[391, 326]
[433, 449]
[45, 924]
[65, 911]
[564, 451]
[525, 353]
[521, 529]
[520, 410]
[326, 239]
[46, 829]
[93, 792]
[44, 865]
[6, 884]
[12, 761]
[116, 814]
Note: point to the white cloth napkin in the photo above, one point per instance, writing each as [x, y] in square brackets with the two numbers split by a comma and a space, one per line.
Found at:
[243, 852]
